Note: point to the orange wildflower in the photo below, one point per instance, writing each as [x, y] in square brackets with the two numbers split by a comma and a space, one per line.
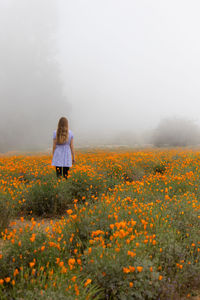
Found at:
[139, 269]
[131, 284]
[126, 270]
[88, 281]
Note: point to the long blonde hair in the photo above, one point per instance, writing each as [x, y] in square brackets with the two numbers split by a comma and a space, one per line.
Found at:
[62, 131]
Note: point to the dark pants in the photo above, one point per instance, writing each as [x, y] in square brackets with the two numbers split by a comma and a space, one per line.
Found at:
[62, 171]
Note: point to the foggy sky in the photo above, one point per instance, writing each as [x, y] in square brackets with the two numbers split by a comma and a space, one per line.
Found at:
[128, 64]
[109, 66]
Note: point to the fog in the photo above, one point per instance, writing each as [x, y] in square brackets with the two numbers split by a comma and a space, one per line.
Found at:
[114, 68]
[31, 88]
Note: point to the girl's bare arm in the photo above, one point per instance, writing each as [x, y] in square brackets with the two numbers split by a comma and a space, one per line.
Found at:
[54, 145]
[72, 150]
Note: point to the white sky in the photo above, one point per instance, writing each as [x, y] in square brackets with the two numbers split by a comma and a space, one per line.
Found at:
[129, 63]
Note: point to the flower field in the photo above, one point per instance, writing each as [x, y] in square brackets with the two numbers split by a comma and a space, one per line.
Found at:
[124, 225]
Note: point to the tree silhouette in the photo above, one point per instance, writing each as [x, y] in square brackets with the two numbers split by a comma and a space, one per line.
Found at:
[176, 132]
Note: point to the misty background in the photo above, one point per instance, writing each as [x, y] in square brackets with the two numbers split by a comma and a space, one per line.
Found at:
[122, 72]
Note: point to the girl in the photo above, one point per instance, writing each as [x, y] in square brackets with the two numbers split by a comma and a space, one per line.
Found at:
[63, 148]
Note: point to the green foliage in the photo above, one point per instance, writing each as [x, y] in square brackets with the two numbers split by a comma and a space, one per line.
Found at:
[163, 204]
[42, 199]
[15, 257]
[132, 174]
[107, 272]
[49, 196]
[5, 210]
[37, 285]
[81, 186]
[160, 168]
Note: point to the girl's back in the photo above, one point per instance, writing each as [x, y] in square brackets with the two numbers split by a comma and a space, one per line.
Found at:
[62, 155]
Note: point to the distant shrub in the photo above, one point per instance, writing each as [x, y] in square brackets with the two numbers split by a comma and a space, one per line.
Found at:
[176, 132]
